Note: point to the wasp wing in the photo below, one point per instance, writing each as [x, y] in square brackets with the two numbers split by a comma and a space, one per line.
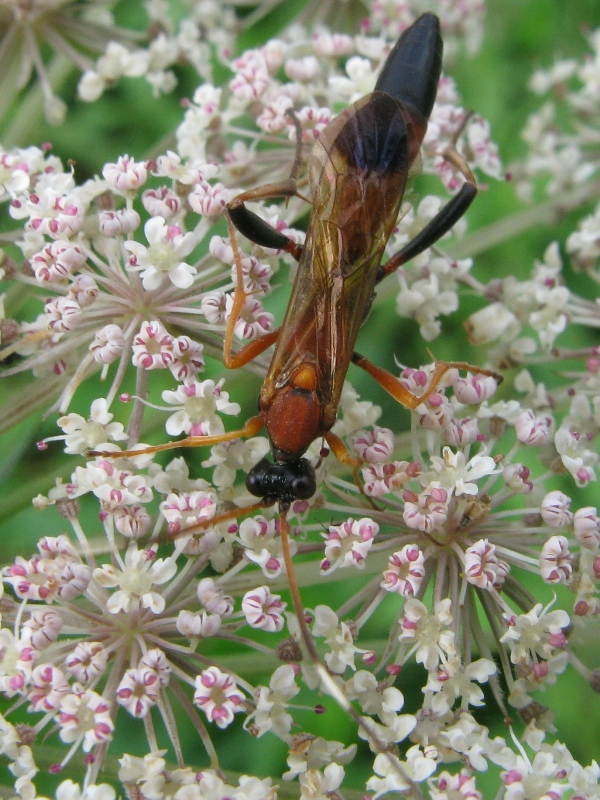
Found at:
[357, 171]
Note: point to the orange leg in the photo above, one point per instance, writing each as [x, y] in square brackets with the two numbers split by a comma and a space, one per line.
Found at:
[202, 527]
[230, 359]
[254, 227]
[399, 392]
[257, 230]
[340, 451]
[251, 428]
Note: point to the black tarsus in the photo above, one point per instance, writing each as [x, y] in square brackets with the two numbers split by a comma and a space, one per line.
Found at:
[443, 221]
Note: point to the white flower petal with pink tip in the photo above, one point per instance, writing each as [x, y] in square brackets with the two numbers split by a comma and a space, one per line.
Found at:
[218, 696]
[213, 598]
[198, 626]
[87, 662]
[126, 175]
[85, 715]
[405, 571]
[348, 544]
[374, 446]
[263, 609]
[48, 686]
[198, 404]
[481, 564]
[586, 526]
[555, 509]
[42, 628]
[555, 560]
[138, 691]
[152, 346]
[163, 258]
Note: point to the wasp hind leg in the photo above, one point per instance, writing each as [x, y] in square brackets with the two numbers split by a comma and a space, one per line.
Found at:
[254, 227]
[446, 218]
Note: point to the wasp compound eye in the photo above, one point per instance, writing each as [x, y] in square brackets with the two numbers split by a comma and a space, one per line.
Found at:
[304, 485]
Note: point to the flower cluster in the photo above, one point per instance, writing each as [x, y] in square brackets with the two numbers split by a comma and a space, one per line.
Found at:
[105, 52]
[109, 299]
[471, 539]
